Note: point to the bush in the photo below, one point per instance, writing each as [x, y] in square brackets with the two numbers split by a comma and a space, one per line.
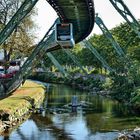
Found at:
[107, 84]
[122, 87]
[78, 80]
[95, 71]
[136, 97]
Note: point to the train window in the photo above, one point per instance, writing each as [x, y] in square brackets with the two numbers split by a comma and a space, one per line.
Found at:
[64, 34]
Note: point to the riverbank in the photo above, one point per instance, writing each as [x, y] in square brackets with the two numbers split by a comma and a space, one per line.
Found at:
[97, 84]
[14, 108]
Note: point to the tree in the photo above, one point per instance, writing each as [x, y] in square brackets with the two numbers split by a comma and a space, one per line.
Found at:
[128, 40]
[21, 40]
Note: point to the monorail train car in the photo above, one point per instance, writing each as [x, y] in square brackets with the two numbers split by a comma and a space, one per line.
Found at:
[64, 35]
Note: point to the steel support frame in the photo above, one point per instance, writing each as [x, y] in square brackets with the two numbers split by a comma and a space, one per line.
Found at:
[109, 36]
[74, 59]
[38, 53]
[57, 64]
[88, 45]
[124, 11]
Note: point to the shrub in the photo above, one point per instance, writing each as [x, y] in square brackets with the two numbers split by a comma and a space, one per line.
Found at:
[135, 97]
[107, 84]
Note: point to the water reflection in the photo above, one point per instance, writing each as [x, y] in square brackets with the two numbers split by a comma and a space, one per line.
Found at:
[102, 119]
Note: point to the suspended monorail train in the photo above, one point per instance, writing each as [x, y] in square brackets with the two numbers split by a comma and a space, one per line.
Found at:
[64, 35]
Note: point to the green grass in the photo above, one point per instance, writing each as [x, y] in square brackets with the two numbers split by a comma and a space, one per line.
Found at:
[22, 99]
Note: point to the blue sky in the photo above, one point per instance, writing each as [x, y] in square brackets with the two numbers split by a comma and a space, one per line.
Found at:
[46, 15]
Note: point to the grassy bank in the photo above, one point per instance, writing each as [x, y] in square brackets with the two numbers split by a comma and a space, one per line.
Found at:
[27, 97]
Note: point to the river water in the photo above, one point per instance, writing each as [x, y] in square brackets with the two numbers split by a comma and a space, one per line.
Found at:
[97, 118]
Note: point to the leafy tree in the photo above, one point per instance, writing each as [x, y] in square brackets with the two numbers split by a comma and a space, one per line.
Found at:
[21, 40]
[127, 74]
[128, 39]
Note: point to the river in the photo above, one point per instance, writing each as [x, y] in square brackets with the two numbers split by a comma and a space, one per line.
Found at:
[97, 118]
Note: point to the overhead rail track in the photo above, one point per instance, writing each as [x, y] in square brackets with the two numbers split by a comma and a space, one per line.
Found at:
[82, 17]
[78, 12]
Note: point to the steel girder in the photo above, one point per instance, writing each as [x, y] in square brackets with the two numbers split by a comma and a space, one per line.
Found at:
[124, 11]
